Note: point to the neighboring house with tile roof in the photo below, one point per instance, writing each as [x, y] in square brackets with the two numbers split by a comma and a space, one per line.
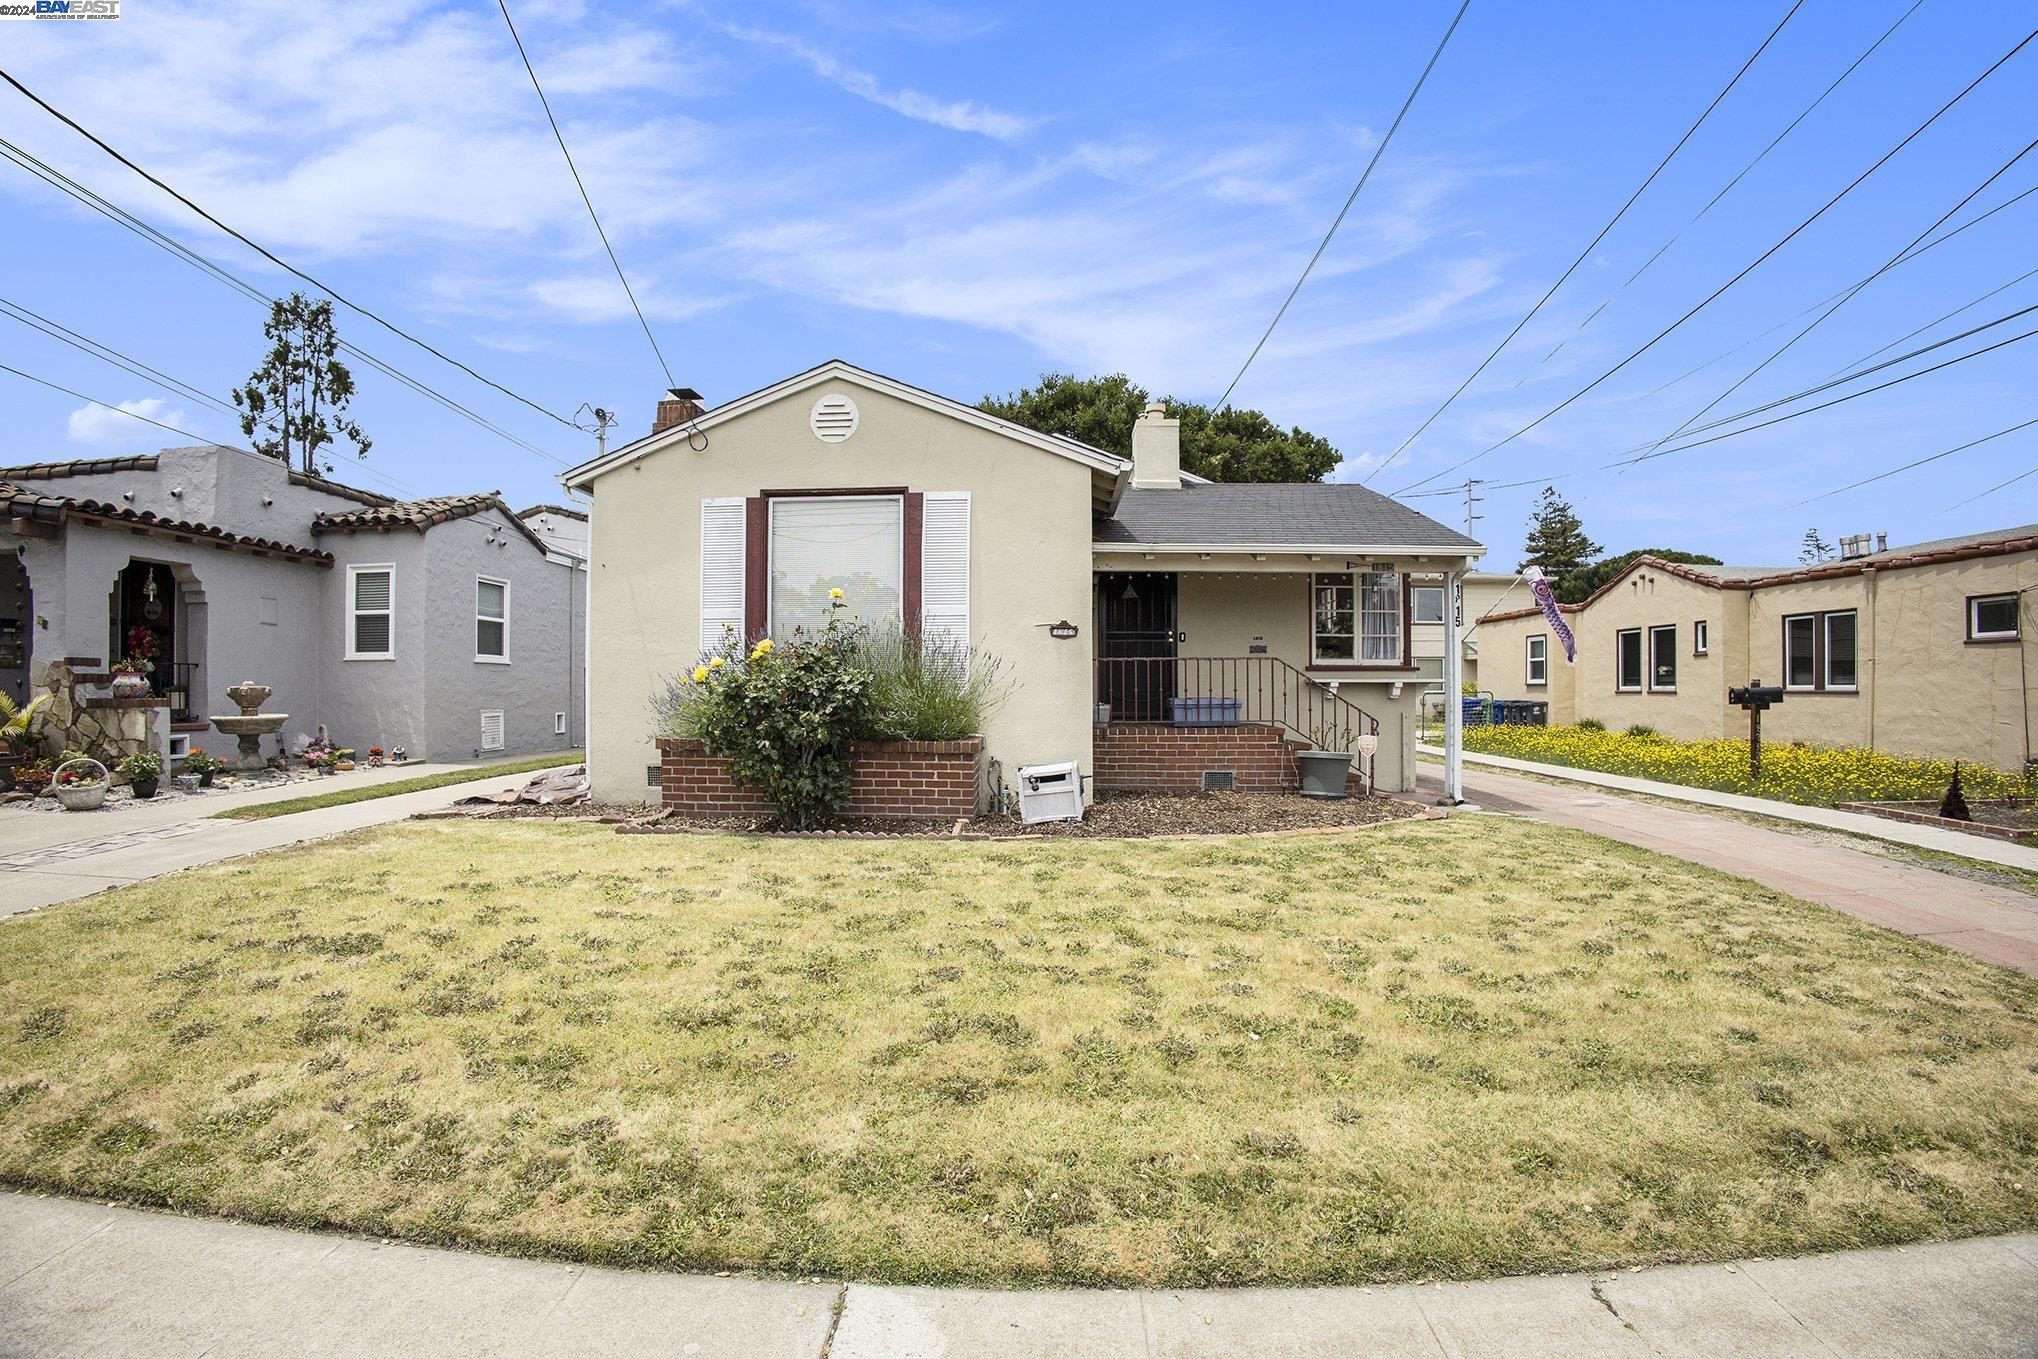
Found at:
[563, 528]
[1159, 630]
[444, 625]
[1922, 649]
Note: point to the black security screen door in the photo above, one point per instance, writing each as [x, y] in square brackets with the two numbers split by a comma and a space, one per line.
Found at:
[1137, 649]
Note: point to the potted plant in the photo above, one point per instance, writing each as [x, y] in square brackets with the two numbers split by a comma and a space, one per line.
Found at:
[32, 777]
[397, 756]
[1324, 770]
[79, 783]
[374, 756]
[17, 730]
[343, 758]
[130, 679]
[144, 773]
[319, 755]
[203, 765]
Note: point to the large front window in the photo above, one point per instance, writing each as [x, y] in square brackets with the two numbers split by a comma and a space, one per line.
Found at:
[854, 544]
[1819, 652]
[1355, 617]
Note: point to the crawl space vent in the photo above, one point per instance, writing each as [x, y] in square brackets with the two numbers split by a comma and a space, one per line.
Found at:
[1219, 781]
[833, 419]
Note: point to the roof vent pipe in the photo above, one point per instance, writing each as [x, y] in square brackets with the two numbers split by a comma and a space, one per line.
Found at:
[1882, 542]
[1157, 450]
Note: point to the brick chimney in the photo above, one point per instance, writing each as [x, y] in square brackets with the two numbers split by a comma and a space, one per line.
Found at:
[678, 406]
[1157, 450]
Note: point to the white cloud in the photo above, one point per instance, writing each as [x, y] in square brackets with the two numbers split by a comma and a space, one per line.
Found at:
[110, 430]
[960, 115]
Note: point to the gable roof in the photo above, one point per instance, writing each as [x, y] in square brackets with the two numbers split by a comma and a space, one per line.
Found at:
[1285, 516]
[1096, 459]
[26, 502]
[420, 515]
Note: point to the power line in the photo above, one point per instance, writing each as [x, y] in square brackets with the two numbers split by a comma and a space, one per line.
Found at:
[1879, 476]
[1378, 151]
[560, 137]
[1938, 320]
[1850, 294]
[270, 255]
[1593, 244]
[93, 400]
[123, 218]
[1999, 486]
[1745, 271]
[85, 344]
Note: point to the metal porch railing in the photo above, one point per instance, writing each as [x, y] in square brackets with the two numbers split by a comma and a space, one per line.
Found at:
[1226, 691]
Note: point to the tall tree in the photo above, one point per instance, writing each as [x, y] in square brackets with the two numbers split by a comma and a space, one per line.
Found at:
[1224, 445]
[298, 398]
[1581, 583]
[1813, 548]
[1557, 541]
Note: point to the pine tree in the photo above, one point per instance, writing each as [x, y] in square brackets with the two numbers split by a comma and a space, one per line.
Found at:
[1814, 549]
[1556, 540]
[298, 397]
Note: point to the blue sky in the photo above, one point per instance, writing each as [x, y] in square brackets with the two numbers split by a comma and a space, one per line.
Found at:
[965, 198]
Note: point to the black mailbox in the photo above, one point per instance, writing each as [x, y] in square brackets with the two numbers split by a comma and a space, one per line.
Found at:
[1755, 696]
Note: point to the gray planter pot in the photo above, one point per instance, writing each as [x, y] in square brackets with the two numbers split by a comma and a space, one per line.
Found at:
[1323, 772]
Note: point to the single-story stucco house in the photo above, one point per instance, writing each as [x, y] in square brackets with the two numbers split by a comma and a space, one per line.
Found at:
[447, 626]
[1918, 650]
[1161, 631]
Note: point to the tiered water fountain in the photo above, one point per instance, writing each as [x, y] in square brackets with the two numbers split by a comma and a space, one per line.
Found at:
[251, 725]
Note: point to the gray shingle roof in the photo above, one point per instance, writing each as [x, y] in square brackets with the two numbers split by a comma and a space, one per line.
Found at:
[2003, 535]
[1298, 514]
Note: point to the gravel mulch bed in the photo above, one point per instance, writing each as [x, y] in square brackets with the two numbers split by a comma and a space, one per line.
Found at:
[1111, 816]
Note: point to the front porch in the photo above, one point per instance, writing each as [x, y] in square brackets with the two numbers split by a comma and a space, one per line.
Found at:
[1215, 673]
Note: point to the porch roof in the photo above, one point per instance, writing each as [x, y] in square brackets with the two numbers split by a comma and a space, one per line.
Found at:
[1278, 516]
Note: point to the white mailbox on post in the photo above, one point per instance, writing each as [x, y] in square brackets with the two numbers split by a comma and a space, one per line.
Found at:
[1050, 792]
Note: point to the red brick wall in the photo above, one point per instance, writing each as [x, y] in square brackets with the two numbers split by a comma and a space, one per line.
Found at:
[1156, 757]
[890, 779]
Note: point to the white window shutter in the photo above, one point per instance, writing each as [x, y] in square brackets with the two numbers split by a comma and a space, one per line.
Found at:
[721, 570]
[944, 568]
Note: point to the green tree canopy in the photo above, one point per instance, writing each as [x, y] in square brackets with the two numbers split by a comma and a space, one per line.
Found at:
[1557, 542]
[1584, 581]
[298, 398]
[1223, 445]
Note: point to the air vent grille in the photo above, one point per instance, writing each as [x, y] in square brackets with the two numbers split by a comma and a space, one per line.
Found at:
[834, 419]
[1219, 781]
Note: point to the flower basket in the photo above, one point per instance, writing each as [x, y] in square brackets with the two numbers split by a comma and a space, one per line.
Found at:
[80, 784]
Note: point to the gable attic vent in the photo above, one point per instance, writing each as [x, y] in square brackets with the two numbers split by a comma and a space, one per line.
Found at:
[833, 419]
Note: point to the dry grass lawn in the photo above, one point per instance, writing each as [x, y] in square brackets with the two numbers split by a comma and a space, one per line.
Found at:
[1426, 1050]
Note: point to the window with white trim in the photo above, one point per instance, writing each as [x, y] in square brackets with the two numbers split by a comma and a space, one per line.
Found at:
[1801, 651]
[371, 613]
[1992, 618]
[1427, 602]
[1627, 650]
[491, 620]
[1355, 617]
[1663, 659]
[1538, 651]
[1701, 637]
[1839, 670]
[1334, 618]
[851, 543]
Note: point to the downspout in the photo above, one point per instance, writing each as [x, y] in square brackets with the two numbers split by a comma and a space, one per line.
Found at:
[586, 645]
[1868, 578]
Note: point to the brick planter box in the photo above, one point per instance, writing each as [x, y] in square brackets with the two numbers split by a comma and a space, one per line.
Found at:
[1927, 814]
[891, 780]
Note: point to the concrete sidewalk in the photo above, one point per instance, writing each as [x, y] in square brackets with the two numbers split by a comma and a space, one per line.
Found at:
[1987, 848]
[1995, 923]
[121, 849]
[81, 1279]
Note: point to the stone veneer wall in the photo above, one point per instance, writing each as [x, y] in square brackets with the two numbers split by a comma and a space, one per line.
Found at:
[106, 728]
[892, 780]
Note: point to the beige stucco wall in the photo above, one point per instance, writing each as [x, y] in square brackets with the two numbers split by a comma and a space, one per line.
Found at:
[1503, 650]
[1925, 690]
[1029, 563]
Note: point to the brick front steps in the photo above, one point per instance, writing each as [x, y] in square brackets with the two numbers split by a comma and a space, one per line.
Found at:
[891, 780]
[1158, 757]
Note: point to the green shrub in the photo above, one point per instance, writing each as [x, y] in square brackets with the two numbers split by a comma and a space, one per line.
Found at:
[1639, 731]
[926, 691]
[1591, 724]
[781, 714]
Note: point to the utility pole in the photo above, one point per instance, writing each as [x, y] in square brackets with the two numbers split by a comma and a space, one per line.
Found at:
[1472, 516]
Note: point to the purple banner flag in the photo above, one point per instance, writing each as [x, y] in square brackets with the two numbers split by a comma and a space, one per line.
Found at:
[1547, 602]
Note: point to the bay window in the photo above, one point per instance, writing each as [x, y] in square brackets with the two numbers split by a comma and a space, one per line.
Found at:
[855, 544]
[1355, 617]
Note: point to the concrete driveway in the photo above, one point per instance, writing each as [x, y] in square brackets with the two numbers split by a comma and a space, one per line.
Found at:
[1999, 924]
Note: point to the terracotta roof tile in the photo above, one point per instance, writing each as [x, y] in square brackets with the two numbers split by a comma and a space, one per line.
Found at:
[420, 515]
[26, 502]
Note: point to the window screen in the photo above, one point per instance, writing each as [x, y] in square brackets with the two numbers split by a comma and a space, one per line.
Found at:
[847, 543]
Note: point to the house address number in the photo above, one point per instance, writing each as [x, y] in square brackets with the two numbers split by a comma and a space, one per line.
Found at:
[1062, 631]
